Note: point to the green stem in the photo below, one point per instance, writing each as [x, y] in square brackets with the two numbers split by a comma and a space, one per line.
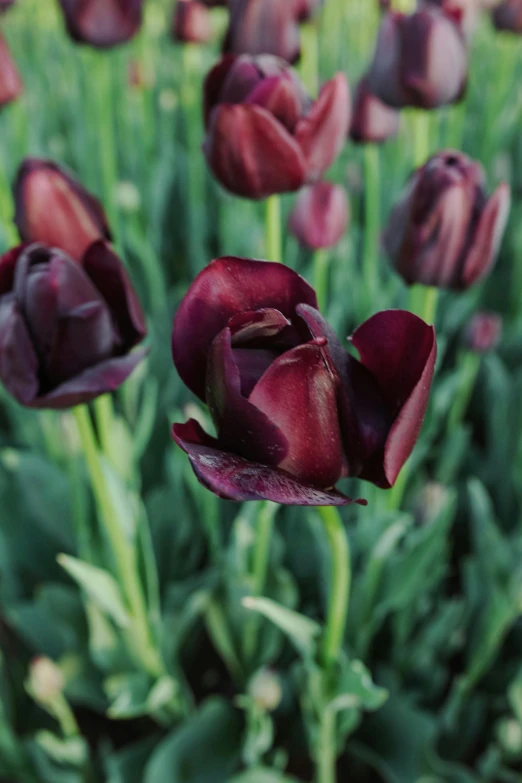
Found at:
[468, 375]
[273, 229]
[310, 57]
[327, 752]
[104, 414]
[423, 302]
[264, 529]
[421, 137]
[191, 54]
[65, 717]
[100, 76]
[122, 549]
[321, 265]
[371, 217]
[340, 584]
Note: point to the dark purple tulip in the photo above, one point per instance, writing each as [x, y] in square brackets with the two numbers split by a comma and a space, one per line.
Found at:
[10, 82]
[372, 120]
[420, 60]
[483, 332]
[507, 15]
[266, 27]
[66, 328]
[55, 209]
[464, 12]
[191, 22]
[320, 216]
[102, 23]
[264, 134]
[294, 412]
[444, 231]
[5, 4]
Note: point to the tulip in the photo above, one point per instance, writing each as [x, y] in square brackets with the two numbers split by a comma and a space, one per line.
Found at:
[420, 60]
[10, 82]
[507, 15]
[102, 23]
[444, 231]
[66, 327]
[320, 216]
[264, 134]
[464, 12]
[483, 332]
[5, 4]
[372, 120]
[266, 27]
[294, 412]
[55, 209]
[191, 22]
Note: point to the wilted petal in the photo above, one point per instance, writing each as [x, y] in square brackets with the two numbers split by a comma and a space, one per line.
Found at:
[225, 288]
[485, 245]
[320, 216]
[251, 153]
[18, 360]
[10, 82]
[234, 478]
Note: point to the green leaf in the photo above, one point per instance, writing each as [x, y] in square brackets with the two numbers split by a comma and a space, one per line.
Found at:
[261, 775]
[302, 631]
[100, 586]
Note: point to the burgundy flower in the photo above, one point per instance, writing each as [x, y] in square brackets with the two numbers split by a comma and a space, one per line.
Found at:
[54, 209]
[445, 231]
[10, 82]
[464, 12]
[293, 410]
[372, 120]
[264, 134]
[191, 22]
[5, 4]
[66, 328]
[507, 15]
[102, 23]
[420, 59]
[320, 216]
[483, 332]
[267, 27]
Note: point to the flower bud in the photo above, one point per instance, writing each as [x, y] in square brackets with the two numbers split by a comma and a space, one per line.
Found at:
[420, 60]
[372, 120]
[10, 82]
[320, 216]
[507, 15]
[445, 231]
[266, 27]
[55, 209]
[483, 332]
[191, 22]
[102, 23]
[265, 690]
[45, 681]
[464, 12]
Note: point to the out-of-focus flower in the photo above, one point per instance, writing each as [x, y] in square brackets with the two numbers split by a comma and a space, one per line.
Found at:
[264, 134]
[420, 59]
[102, 23]
[10, 82]
[191, 22]
[372, 120]
[444, 231]
[305, 9]
[507, 15]
[293, 410]
[55, 209]
[320, 216]
[464, 12]
[45, 681]
[5, 4]
[66, 327]
[483, 332]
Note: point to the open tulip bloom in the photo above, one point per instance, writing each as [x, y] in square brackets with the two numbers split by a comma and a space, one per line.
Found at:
[264, 134]
[294, 412]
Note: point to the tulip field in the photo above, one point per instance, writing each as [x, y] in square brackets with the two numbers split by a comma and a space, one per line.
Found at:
[260, 391]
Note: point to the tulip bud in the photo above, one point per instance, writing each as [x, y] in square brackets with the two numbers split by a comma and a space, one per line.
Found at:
[464, 12]
[54, 209]
[266, 27]
[10, 82]
[445, 231]
[102, 23]
[420, 60]
[507, 15]
[483, 332]
[372, 121]
[265, 690]
[46, 682]
[320, 216]
[191, 22]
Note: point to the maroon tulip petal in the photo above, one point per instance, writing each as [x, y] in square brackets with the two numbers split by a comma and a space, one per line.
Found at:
[7, 268]
[373, 121]
[384, 78]
[251, 153]
[102, 23]
[322, 133]
[488, 235]
[10, 82]
[320, 216]
[234, 478]
[278, 96]
[18, 360]
[227, 287]
[110, 277]
[298, 393]
[214, 82]
[264, 27]
[191, 22]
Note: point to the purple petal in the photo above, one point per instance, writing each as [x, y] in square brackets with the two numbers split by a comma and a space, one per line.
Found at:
[214, 82]
[278, 96]
[373, 121]
[320, 216]
[384, 78]
[18, 360]
[10, 82]
[7, 268]
[487, 237]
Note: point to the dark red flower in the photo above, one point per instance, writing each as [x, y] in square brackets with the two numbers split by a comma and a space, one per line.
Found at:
[320, 216]
[445, 231]
[483, 332]
[420, 59]
[264, 134]
[5, 4]
[372, 120]
[66, 328]
[267, 27]
[293, 410]
[10, 82]
[464, 12]
[55, 209]
[102, 23]
[191, 22]
[507, 15]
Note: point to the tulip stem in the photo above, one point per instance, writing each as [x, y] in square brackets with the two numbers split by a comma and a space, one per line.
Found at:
[310, 57]
[340, 584]
[273, 229]
[327, 751]
[123, 552]
[321, 266]
[421, 137]
[104, 414]
[423, 302]
[371, 217]
[469, 369]
[264, 529]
